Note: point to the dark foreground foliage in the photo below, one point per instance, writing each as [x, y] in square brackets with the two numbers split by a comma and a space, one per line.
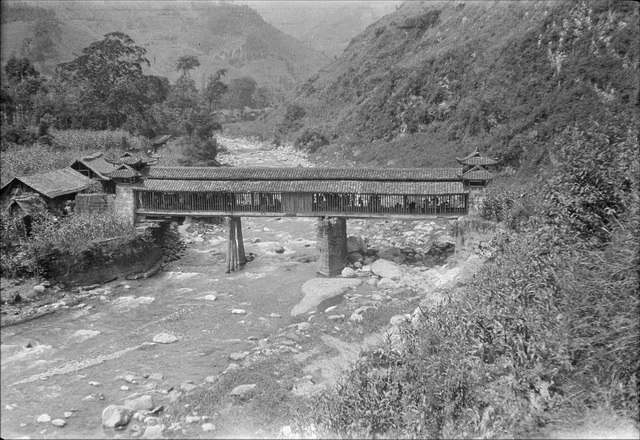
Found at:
[550, 324]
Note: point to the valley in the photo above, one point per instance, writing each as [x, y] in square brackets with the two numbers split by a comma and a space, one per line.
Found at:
[518, 320]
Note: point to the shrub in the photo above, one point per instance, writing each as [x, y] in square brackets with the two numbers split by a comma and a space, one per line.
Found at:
[200, 153]
[310, 140]
[292, 118]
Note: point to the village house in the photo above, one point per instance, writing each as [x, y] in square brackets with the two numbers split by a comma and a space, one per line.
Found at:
[57, 188]
[96, 167]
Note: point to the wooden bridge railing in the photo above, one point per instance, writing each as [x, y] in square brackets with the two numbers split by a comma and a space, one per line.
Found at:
[274, 202]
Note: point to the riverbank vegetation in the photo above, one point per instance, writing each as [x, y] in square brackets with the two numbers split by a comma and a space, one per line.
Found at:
[547, 329]
[26, 247]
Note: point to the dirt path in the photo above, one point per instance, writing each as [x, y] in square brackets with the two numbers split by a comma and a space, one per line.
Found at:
[73, 363]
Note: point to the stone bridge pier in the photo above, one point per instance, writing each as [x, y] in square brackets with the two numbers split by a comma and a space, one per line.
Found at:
[332, 245]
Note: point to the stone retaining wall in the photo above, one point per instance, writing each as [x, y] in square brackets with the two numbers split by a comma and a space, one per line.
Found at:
[105, 260]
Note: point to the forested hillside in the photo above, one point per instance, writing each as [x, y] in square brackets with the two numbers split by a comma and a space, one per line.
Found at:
[434, 80]
[222, 36]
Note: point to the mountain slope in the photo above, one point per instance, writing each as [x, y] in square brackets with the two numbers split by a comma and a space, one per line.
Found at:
[326, 25]
[220, 35]
[432, 81]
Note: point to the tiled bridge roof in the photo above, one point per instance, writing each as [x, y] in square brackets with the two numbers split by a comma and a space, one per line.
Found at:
[303, 186]
[301, 174]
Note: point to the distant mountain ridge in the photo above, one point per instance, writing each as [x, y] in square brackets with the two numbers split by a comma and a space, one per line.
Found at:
[220, 35]
[435, 80]
[326, 25]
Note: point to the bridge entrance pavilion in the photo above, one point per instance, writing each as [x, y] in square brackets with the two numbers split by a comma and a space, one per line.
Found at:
[330, 194]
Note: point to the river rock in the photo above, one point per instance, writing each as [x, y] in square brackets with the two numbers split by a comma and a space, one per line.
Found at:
[238, 356]
[386, 269]
[355, 243]
[317, 290]
[59, 423]
[156, 376]
[238, 312]
[387, 283]
[241, 390]
[347, 272]
[153, 431]
[399, 319]
[188, 387]
[211, 297]
[355, 258]
[115, 415]
[44, 418]
[278, 249]
[392, 254]
[442, 245]
[39, 288]
[165, 338]
[207, 427]
[232, 366]
[67, 414]
[141, 403]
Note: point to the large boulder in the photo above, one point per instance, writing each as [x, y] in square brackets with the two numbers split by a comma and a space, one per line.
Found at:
[241, 390]
[347, 272]
[392, 254]
[115, 415]
[355, 243]
[442, 246]
[317, 290]
[140, 403]
[386, 269]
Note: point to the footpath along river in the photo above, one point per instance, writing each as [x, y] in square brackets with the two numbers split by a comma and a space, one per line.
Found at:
[73, 363]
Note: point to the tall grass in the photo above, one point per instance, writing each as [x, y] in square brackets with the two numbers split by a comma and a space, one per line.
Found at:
[549, 325]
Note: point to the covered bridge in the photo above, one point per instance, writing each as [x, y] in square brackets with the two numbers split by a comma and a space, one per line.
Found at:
[312, 192]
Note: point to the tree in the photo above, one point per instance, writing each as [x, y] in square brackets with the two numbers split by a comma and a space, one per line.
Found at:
[262, 97]
[215, 89]
[23, 84]
[201, 153]
[240, 92]
[187, 63]
[110, 71]
[19, 69]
